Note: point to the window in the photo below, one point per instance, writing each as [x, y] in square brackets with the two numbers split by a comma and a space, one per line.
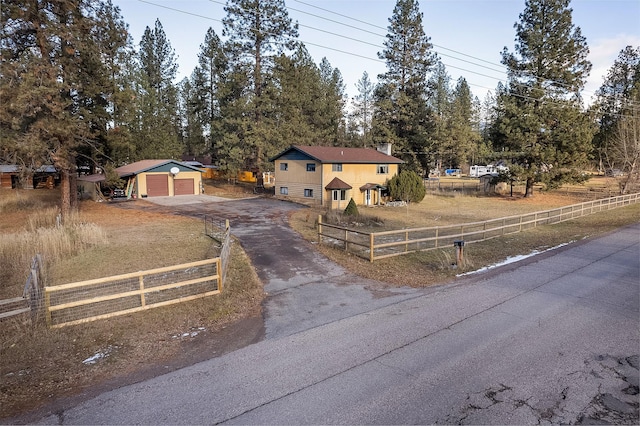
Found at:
[339, 194]
[308, 193]
[383, 169]
[311, 167]
[284, 190]
[284, 166]
[336, 167]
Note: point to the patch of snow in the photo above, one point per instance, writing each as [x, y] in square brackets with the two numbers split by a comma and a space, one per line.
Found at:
[512, 259]
[99, 355]
[193, 333]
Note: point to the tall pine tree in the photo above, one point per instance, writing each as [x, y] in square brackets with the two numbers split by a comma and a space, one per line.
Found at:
[363, 108]
[401, 116]
[541, 119]
[157, 127]
[208, 78]
[52, 91]
[257, 31]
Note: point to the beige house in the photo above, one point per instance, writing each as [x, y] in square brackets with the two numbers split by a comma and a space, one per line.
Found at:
[331, 176]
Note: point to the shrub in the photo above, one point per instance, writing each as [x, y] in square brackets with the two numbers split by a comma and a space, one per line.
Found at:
[407, 186]
[352, 209]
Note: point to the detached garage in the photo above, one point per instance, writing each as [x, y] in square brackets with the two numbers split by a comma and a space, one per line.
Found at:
[160, 178]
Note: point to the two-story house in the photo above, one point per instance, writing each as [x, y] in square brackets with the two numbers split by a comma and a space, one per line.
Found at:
[331, 176]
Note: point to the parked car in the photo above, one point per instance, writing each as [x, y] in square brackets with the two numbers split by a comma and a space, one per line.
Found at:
[113, 193]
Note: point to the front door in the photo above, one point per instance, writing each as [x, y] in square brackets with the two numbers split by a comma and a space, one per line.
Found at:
[367, 197]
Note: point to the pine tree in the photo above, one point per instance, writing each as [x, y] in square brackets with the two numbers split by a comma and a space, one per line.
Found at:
[258, 30]
[351, 209]
[118, 59]
[297, 87]
[617, 109]
[207, 79]
[463, 125]
[440, 103]
[193, 116]
[52, 91]
[401, 116]
[363, 107]
[157, 129]
[541, 119]
[331, 124]
[615, 101]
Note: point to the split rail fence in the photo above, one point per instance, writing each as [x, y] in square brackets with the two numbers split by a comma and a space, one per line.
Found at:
[379, 245]
[31, 300]
[101, 298]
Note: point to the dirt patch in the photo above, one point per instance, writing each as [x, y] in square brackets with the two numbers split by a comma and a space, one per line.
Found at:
[190, 350]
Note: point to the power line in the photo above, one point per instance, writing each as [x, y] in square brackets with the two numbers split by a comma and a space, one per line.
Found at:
[361, 41]
[504, 68]
[332, 48]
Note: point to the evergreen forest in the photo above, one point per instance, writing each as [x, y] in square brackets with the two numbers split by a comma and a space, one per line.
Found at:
[77, 92]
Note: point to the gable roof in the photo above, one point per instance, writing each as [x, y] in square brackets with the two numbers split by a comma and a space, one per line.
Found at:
[146, 165]
[333, 154]
[338, 184]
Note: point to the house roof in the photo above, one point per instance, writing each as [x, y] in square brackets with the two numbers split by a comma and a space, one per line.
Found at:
[145, 165]
[332, 154]
[367, 186]
[8, 168]
[337, 184]
[13, 168]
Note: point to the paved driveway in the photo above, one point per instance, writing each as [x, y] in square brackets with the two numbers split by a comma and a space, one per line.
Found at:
[304, 288]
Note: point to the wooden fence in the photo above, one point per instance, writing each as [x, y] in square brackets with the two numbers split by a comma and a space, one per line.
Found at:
[123, 294]
[31, 300]
[379, 245]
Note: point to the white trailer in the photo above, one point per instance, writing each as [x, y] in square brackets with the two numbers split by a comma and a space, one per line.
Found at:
[477, 171]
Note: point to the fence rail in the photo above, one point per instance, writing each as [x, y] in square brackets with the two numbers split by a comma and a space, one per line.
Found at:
[379, 245]
[102, 298]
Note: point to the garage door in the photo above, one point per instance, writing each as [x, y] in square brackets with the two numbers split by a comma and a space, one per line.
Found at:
[183, 186]
[157, 185]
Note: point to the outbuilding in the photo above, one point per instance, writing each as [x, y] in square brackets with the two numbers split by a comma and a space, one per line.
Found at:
[160, 178]
[9, 176]
[153, 178]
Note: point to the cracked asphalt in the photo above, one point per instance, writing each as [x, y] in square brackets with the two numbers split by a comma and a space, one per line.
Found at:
[553, 339]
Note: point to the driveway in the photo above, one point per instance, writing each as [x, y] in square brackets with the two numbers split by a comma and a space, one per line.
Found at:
[304, 288]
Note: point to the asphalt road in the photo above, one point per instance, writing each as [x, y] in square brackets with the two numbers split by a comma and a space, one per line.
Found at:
[554, 339]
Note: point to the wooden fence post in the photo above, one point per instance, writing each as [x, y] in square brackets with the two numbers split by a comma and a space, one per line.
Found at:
[371, 238]
[143, 302]
[346, 238]
[219, 271]
[319, 229]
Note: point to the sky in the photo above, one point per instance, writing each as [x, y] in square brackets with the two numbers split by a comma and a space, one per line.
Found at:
[468, 35]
